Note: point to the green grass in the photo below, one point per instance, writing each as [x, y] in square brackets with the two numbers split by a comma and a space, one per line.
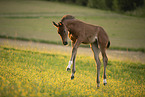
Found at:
[33, 20]
[33, 73]
[60, 43]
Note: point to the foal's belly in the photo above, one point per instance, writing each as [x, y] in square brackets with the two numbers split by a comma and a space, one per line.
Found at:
[89, 40]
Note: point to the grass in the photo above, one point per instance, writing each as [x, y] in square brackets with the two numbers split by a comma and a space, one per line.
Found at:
[60, 43]
[38, 74]
[33, 20]
[33, 73]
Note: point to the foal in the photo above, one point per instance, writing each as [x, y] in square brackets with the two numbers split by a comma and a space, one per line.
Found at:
[80, 32]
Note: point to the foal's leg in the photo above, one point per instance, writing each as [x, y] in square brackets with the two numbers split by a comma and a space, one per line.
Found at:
[73, 67]
[96, 51]
[72, 60]
[105, 61]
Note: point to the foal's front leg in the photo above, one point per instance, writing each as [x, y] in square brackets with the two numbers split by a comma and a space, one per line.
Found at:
[73, 68]
[72, 60]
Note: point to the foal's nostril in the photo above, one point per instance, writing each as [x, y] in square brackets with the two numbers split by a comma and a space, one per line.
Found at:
[65, 43]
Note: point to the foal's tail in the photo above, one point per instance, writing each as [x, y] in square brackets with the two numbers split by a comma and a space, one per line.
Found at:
[108, 45]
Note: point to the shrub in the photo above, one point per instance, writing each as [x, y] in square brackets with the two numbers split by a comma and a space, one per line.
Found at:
[116, 5]
[100, 4]
[82, 2]
[128, 5]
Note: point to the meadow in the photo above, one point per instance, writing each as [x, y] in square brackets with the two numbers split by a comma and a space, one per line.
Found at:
[32, 20]
[43, 73]
[34, 73]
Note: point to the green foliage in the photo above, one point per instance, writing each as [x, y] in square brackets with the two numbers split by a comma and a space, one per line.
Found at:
[127, 5]
[124, 5]
[82, 2]
[100, 4]
[140, 12]
[116, 5]
[112, 5]
[30, 73]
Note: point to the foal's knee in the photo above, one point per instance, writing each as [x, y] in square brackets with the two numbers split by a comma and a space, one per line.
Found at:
[105, 60]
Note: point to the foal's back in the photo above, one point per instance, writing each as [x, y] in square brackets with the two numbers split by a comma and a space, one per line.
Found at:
[88, 32]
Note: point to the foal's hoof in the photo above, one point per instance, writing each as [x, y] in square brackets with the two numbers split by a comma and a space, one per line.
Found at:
[72, 77]
[98, 86]
[67, 69]
[105, 84]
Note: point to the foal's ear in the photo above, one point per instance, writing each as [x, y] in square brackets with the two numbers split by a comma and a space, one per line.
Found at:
[56, 25]
[60, 24]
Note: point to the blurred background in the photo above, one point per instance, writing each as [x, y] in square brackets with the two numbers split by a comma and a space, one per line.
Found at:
[31, 20]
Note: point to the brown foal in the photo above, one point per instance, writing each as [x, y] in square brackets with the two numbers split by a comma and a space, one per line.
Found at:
[80, 32]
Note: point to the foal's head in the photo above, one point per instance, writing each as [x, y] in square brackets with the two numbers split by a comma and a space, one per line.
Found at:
[62, 31]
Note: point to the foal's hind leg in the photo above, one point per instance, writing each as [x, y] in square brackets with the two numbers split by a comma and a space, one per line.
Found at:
[105, 61]
[96, 51]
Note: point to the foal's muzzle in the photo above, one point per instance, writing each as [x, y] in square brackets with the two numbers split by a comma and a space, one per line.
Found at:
[65, 43]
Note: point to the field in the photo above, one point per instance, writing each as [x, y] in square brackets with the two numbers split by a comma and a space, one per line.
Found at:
[33, 73]
[42, 73]
[32, 20]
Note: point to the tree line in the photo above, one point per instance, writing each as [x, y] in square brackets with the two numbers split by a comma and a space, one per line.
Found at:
[114, 5]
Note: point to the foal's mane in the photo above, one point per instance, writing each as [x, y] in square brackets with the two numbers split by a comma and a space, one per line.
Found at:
[67, 17]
